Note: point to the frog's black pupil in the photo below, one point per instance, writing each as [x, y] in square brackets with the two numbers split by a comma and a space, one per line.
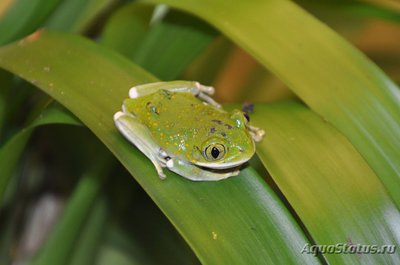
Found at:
[215, 152]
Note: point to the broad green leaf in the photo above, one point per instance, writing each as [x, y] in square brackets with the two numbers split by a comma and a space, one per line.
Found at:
[236, 221]
[93, 13]
[335, 193]
[332, 77]
[78, 15]
[64, 17]
[178, 37]
[164, 47]
[24, 17]
[126, 28]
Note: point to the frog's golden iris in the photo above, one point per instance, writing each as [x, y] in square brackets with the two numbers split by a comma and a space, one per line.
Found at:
[214, 152]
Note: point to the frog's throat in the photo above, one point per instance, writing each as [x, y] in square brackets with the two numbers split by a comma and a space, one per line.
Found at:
[220, 165]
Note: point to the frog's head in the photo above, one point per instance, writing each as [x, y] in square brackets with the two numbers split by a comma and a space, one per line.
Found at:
[230, 146]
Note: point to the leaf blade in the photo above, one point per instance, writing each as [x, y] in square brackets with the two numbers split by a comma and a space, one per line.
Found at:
[11, 151]
[361, 102]
[24, 17]
[94, 98]
[336, 194]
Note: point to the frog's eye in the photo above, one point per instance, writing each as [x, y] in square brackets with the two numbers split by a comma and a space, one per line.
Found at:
[214, 151]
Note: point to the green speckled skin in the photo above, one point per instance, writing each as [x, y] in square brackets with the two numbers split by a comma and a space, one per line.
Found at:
[184, 126]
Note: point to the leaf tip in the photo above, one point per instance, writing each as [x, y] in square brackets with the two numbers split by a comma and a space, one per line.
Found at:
[32, 37]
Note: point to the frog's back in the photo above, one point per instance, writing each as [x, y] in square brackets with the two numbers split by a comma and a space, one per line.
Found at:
[171, 108]
[171, 115]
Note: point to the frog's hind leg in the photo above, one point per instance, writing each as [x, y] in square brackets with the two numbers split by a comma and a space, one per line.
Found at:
[197, 89]
[139, 135]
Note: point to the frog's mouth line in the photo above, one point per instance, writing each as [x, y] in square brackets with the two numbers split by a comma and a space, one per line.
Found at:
[221, 165]
[221, 170]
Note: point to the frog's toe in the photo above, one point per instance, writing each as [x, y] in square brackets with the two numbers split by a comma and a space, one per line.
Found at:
[124, 108]
[209, 90]
[258, 136]
[256, 133]
[133, 93]
[235, 173]
[162, 175]
[118, 115]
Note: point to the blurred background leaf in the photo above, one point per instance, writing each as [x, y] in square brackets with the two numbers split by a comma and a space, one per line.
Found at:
[186, 36]
[80, 16]
[21, 17]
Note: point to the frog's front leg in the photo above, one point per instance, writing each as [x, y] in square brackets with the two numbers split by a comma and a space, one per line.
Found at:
[256, 133]
[196, 173]
[197, 89]
[139, 135]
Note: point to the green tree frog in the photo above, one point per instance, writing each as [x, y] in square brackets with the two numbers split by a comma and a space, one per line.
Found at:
[178, 126]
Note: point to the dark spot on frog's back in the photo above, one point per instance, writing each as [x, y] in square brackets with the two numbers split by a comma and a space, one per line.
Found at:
[223, 134]
[166, 94]
[152, 108]
[195, 147]
[213, 130]
[217, 121]
[228, 126]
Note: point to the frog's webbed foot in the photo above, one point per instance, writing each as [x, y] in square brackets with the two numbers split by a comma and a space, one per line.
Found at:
[198, 90]
[256, 133]
[139, 135]
[196, 173]
[204, 93]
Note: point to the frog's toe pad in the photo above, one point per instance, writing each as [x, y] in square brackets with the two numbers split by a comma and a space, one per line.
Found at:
[170, 163]
[133, 93]
[118, 115]
[258, 135]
